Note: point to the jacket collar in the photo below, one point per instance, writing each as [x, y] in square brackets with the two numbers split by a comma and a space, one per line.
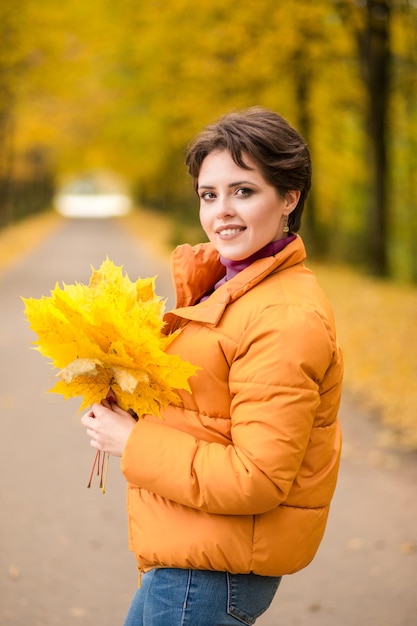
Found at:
[197, 268]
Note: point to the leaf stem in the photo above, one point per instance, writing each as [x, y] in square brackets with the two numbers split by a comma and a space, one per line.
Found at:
[96, 458]
[101, 471]
[104, 481]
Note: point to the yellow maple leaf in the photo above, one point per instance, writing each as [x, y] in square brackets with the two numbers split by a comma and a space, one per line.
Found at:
[79, 367]
[108, 335]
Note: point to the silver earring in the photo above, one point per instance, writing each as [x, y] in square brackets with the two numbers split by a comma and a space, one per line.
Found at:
[286, 228]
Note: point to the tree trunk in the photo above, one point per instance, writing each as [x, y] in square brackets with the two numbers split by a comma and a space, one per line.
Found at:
[313, 235]
[6, 169]
[375, 56]
[373, 39]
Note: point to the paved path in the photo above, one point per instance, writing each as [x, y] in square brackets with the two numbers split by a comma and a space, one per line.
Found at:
[63, 553]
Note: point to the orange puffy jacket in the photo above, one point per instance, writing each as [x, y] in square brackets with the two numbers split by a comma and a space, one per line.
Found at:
[239, 478]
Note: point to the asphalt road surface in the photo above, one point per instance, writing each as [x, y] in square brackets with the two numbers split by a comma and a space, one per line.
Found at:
[63, 548]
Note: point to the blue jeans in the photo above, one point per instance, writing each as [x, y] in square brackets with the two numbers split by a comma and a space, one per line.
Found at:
[184, 597]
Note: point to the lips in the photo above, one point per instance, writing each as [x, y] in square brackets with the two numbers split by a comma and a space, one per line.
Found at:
[228, 231]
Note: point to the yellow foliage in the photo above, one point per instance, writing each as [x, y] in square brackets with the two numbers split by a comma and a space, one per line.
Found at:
[107, 335]
[378, 335]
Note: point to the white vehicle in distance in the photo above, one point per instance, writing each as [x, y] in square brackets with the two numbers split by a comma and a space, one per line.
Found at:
[92, 196]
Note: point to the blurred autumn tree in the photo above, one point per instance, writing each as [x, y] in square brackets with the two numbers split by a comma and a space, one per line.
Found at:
[26, 177]
[9, 69]
[92, 85]
[370, 22]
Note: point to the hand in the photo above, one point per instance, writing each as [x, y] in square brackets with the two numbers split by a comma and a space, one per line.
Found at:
[108, 427]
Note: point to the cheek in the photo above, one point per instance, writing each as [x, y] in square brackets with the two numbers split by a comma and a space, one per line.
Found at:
[203, 220]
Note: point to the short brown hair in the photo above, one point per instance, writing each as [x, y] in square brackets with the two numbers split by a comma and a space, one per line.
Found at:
[268, 139]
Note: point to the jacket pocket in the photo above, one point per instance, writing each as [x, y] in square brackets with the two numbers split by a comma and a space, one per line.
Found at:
[250, 595]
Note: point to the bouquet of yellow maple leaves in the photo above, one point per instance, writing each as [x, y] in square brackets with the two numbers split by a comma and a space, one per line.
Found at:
[107, 337]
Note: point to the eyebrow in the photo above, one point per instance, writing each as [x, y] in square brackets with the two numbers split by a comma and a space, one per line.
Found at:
[230, 185]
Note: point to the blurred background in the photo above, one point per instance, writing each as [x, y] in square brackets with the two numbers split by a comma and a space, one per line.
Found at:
[121, 88]
[98, 101]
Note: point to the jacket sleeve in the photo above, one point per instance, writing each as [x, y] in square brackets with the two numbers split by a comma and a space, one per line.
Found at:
[275, 381]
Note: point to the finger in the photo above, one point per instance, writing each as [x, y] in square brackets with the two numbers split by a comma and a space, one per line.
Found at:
[133, 414]
[111, 397]
[87, 419]
[117, 409]
[95, 444]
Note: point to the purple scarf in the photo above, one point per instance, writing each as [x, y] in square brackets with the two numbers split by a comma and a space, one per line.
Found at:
[234, 267]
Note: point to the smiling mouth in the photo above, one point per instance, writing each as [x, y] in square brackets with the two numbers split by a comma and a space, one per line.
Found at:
[228, 232]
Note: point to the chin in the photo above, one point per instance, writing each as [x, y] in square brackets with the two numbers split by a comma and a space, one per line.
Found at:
[235, 256]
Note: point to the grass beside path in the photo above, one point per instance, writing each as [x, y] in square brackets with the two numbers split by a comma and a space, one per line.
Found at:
[377, 326]
[376, 320]
[17, 239]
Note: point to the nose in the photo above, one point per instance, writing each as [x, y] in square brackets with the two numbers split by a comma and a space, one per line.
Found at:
[225, 206]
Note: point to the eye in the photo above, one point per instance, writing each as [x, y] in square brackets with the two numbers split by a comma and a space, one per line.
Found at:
[243, 192]
[207, 196]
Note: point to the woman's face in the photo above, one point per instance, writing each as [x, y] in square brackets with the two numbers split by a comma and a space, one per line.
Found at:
[240, 211]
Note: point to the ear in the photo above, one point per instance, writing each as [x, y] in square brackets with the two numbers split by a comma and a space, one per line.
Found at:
[291, 199]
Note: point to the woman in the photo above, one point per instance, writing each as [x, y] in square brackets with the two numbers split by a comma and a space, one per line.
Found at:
[231, 490]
